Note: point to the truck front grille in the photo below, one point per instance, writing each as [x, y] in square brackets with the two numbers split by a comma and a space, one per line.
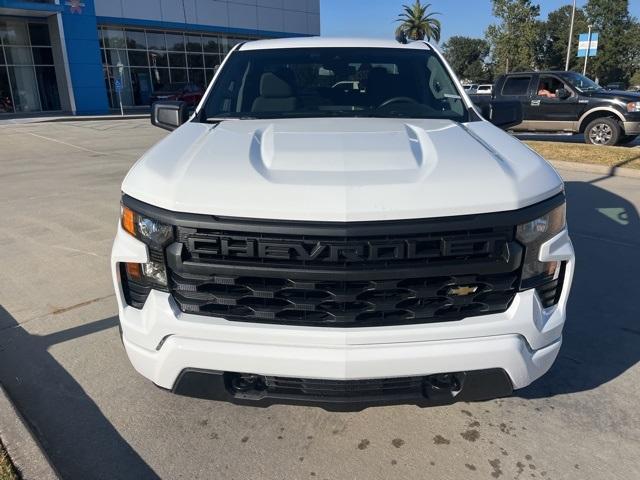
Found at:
[357, 303]
[344, 275]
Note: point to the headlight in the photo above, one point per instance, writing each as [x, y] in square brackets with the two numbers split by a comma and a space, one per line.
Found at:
[139, 279]
[150, 231]
[532, 235]
[633, 107]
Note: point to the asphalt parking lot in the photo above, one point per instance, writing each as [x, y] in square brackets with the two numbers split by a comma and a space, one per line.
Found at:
[62, 361]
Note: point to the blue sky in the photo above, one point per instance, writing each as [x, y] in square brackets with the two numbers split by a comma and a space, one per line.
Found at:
[375, 18]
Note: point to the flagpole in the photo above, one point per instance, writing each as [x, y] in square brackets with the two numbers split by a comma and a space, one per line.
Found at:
[573, 17]
[586, 57]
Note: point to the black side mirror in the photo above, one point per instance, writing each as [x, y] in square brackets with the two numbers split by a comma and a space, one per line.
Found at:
[503, 114]
[563, 93]
[169, 115]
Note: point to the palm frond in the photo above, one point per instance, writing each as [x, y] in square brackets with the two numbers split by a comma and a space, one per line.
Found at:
[417, 23]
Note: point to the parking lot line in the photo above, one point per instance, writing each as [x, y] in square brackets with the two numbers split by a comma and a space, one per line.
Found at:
[67, 144]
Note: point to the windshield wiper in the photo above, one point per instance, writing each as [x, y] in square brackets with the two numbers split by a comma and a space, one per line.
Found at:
[222, 119]
[400, 115]
[323, 114]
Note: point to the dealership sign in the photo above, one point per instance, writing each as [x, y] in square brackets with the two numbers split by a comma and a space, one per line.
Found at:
[75, 6]
[585, 46]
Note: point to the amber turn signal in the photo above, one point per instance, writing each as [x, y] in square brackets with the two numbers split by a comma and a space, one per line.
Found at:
[134, 271]
[128, 220]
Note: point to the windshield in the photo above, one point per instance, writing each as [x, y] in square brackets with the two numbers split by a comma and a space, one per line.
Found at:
[334, 82]
[582, 83]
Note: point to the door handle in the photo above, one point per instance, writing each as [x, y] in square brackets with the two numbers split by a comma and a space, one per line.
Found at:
[535, 103]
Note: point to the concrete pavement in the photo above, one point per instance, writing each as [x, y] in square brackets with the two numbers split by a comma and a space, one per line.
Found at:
[62, 362]
[27, 456]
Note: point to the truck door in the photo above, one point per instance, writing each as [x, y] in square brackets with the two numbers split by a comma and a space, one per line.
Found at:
[548, 109]
[516, 88]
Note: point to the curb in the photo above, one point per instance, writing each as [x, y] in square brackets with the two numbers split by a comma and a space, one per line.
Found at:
[600, 169]
[133, 116]
[25, 451]
[71, 118]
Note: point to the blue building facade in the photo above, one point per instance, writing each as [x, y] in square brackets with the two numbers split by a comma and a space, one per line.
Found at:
[87, 56]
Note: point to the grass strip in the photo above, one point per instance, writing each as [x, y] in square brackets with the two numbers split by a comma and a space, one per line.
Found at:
[625, 157]
[7, 471]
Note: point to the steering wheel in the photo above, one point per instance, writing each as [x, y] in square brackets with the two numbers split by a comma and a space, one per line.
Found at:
[389, 101]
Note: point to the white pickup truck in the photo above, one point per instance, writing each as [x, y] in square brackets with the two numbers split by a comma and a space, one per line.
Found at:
[296, 240]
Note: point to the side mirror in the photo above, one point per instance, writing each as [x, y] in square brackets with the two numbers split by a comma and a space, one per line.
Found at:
[169, 115]
[503, 114]
[563, 93]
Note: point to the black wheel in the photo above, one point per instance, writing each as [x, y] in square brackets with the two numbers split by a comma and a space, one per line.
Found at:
[603, 131]
[626, 139]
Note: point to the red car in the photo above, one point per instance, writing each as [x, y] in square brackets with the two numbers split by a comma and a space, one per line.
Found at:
[185, 92]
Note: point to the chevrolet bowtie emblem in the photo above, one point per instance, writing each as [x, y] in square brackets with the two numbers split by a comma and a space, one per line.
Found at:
[462, 290]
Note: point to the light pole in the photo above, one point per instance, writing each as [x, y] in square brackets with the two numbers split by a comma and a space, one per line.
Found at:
[120, 73]
[586, 57]
[573, 17]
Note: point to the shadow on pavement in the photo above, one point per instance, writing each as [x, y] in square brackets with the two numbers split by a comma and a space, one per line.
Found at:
[613, 169]
[602, 333]
[78, 438]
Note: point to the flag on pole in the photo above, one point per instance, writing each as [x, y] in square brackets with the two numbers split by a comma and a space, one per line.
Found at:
[583, 45]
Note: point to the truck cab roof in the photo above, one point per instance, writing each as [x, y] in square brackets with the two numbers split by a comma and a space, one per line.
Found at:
[535, 72]
[329, 42]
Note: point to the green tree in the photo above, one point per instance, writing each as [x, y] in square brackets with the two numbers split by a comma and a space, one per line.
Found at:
[467, 57]
[515, 39]
[417, 23]
[617, 42]
[555, 36]
[635, 40]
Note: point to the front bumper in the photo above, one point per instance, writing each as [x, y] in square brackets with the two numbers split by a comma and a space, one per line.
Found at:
[162, 342]
[345, 395]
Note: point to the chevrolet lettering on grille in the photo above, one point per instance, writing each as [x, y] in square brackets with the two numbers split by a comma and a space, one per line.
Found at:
[351, 251]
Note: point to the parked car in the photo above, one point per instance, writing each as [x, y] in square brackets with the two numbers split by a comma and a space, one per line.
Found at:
[470, 88]
[291, 242]
[484, 89]
[616, 86]
[189, 93]
[570, 102]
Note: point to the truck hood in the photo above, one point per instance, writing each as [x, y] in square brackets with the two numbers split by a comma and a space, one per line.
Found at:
[616, 94]
[340, 169]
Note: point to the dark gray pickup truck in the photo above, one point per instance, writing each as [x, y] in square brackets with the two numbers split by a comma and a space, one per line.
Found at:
[569, 102]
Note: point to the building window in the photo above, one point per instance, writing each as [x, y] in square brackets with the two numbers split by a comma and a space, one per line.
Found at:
[147, 61]
[27, 74]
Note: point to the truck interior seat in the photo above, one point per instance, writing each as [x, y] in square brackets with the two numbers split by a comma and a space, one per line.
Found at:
[276, 95]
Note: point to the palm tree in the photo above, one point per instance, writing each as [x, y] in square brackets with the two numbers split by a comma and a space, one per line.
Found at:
[417, 24]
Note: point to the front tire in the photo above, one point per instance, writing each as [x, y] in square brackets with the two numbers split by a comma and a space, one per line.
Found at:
[603, 131]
